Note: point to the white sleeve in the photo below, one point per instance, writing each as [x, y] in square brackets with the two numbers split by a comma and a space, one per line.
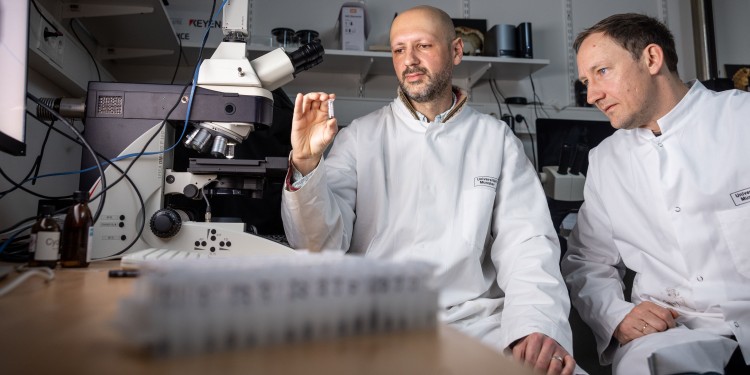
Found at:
[594, 270]
[526, 254]
[320, 214]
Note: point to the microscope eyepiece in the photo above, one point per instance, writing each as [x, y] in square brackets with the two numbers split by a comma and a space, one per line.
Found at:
[307, 56]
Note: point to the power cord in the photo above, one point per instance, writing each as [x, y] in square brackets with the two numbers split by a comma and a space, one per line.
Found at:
[73, 30]
[136, 156]
[520, 118]
[85, 144]
[43, 272]
[57, 32]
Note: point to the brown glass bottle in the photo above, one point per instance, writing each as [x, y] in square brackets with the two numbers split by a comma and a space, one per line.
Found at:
[77, 233]
[44, 246]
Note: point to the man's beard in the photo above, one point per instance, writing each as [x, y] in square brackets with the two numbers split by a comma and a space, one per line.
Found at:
[432, 89]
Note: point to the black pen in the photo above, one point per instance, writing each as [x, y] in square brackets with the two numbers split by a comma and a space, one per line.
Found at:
[123, 273]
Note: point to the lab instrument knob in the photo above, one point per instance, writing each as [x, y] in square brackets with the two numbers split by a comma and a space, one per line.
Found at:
[165, 223]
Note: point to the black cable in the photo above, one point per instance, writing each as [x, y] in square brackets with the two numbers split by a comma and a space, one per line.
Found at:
[38, 161]
[34, 169]
[538, 99]
[143, 150]
[19, 186]
[533, 149]
[499, 106]
[73, 30]
[179, 58]
[205, 37]
[85, 144]
[45, 18]
[502, 96]
[132, 183]
[16, 225]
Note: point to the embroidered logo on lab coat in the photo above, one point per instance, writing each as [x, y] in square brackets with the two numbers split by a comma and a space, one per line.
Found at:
[741, 197]
[485, 181]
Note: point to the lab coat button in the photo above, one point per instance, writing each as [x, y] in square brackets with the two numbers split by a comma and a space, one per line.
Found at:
[737, 324]
[699, 278]
[660, 144]
[677, 209]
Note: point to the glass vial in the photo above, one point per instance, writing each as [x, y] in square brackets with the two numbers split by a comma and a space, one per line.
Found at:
[78, 233]
[44, 246]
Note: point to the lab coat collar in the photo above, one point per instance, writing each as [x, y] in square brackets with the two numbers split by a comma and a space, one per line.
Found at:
[461, 98]
[675, 118]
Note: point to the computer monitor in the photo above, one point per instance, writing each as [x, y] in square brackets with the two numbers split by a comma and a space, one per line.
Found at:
[552, 134]
[14, 47]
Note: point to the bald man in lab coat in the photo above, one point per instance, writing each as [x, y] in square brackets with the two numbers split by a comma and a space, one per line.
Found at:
[428, 178]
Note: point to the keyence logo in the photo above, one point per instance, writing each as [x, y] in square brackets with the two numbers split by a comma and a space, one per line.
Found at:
[203, 23]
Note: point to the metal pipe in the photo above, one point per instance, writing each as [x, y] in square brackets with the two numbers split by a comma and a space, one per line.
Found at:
[704, 39]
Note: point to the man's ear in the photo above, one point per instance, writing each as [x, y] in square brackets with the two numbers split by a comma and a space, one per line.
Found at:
[653, 56]
[457, 48]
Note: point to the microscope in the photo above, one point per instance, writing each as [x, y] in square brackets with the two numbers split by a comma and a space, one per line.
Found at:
[197, 199]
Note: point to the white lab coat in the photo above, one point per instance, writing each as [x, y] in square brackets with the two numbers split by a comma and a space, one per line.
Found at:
[676, 210]
[459, 194]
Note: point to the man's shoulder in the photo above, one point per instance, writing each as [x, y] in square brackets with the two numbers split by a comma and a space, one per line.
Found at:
[613, 145]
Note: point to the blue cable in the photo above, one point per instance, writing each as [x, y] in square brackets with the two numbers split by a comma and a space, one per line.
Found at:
[184, 128]
[12, 237]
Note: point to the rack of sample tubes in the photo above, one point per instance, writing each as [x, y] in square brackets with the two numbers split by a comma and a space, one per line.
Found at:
[194, 306]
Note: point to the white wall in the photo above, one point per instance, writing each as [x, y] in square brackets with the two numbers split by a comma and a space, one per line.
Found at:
[548, 17]
[732, 30]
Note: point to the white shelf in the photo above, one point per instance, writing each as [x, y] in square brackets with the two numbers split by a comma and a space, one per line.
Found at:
[368, 63]
[141, 28]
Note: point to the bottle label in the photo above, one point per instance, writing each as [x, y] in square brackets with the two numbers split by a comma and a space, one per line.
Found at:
[47, 246]
[89, 244]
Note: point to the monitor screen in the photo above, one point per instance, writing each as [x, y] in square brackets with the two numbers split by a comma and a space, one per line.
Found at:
[552, 134]
[14, 47]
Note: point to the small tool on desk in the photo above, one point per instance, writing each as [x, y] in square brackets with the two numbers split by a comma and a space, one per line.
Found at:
[123, 273]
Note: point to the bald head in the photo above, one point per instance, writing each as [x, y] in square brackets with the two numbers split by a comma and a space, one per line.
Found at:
[424, 18]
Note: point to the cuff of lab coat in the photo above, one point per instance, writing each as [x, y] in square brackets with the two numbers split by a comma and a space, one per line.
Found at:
[516, 330]
[294, 179]
[606, 344]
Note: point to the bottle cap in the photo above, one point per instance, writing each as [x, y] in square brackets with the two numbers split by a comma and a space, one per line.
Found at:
[47, 210]
[81, 196]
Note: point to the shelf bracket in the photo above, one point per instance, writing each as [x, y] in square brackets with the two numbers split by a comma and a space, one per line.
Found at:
[475, 76]
[364, 74]
[82, 10]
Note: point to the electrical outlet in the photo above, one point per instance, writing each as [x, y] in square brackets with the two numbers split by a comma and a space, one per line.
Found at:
[50, 43]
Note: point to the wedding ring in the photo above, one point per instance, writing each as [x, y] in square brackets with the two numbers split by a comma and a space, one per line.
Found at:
[643, 330]
[557, 357]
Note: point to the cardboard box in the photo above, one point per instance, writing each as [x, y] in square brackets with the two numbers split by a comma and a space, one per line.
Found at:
[352, 28]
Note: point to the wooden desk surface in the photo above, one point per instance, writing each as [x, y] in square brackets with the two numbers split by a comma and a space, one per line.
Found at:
[64, 327]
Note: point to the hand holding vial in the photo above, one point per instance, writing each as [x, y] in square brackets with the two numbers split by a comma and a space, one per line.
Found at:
[313, 129]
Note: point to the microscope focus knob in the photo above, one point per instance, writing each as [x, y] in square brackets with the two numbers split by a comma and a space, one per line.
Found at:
[165, 223]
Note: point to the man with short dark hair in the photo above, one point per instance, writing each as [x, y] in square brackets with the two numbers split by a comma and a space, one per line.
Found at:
[667, 196]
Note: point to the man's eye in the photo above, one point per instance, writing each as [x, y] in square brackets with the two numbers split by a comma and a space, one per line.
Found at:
[603, 70]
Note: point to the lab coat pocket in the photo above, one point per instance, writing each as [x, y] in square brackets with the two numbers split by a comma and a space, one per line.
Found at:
[476, 212]
[735, 226]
